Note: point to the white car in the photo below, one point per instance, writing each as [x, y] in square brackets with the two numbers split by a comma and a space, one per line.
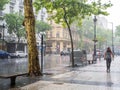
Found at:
[20, 54]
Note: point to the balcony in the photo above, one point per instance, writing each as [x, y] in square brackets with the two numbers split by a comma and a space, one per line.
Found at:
[57, 39]
[13, 1]
[21, 4]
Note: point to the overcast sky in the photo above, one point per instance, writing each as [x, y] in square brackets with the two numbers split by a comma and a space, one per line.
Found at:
[114, 13]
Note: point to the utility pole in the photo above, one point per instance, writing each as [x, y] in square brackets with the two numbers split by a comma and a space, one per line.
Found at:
[95, 40]
[42, 53]
[3, 37]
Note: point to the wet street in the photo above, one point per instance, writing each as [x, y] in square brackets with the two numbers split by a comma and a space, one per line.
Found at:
[53, 61]
[90, 77]
[51, 64]
[64, 77]
[21, 64]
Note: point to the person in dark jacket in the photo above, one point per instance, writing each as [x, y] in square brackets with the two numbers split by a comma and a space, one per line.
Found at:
[108, 57]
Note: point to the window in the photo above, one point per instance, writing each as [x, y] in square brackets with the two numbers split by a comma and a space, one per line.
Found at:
[50, 34]
[11, 9]
[20, 11]
[57, 35]
[13, 1]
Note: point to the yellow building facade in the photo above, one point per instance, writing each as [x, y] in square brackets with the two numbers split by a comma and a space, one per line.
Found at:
[58, 39]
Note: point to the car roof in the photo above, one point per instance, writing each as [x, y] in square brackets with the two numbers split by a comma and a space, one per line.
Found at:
[19, 51]
[2, 51]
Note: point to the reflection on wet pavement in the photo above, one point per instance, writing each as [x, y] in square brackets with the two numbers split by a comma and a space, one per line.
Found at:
[52, 64]
[11, 67]
[90, 77]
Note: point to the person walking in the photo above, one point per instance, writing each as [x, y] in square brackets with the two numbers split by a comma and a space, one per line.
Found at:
[108, 57]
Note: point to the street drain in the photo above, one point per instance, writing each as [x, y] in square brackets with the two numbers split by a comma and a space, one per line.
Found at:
[59, 83]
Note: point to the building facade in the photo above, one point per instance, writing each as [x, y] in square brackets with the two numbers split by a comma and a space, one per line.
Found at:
[12, 7]
[57, 39]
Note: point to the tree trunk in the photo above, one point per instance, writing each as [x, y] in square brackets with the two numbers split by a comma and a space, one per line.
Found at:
[29, 22]
[68, 25]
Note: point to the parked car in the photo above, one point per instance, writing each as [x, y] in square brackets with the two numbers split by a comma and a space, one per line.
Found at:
[20, 54]
[13, 55]
[4, 54]
[64, 52]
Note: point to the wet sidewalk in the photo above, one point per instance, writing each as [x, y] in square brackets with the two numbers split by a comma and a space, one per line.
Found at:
[91, 77]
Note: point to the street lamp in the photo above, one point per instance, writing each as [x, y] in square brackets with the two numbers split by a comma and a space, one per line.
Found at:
[95, 40]
[42, 50]
[3, 26]
[112, 37]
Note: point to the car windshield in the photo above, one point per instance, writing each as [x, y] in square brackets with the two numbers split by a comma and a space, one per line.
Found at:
[1, 51]
[19, 51]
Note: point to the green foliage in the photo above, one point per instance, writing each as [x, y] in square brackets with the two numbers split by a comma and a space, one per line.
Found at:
[42, 26]
[68, 11]
[2, 3]
[87, 31]
[103, 35]
[87, 28]
[117, 31]
[14, 24]
[75, 9]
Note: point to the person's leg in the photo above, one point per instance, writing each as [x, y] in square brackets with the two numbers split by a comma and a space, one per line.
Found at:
[107, 65]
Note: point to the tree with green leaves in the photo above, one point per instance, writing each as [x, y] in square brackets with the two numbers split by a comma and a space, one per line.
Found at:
[67, 11]
[117, 31]
[14, 25]
[86, 30]
[117, 36]
[42, 26]
[87, 27]
[2, 3]
[102, 34]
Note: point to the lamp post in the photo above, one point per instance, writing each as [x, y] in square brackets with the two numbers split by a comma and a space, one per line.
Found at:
[95, 40]
[42, 53]
[42, 50]
[3, 26]
[112, 37]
